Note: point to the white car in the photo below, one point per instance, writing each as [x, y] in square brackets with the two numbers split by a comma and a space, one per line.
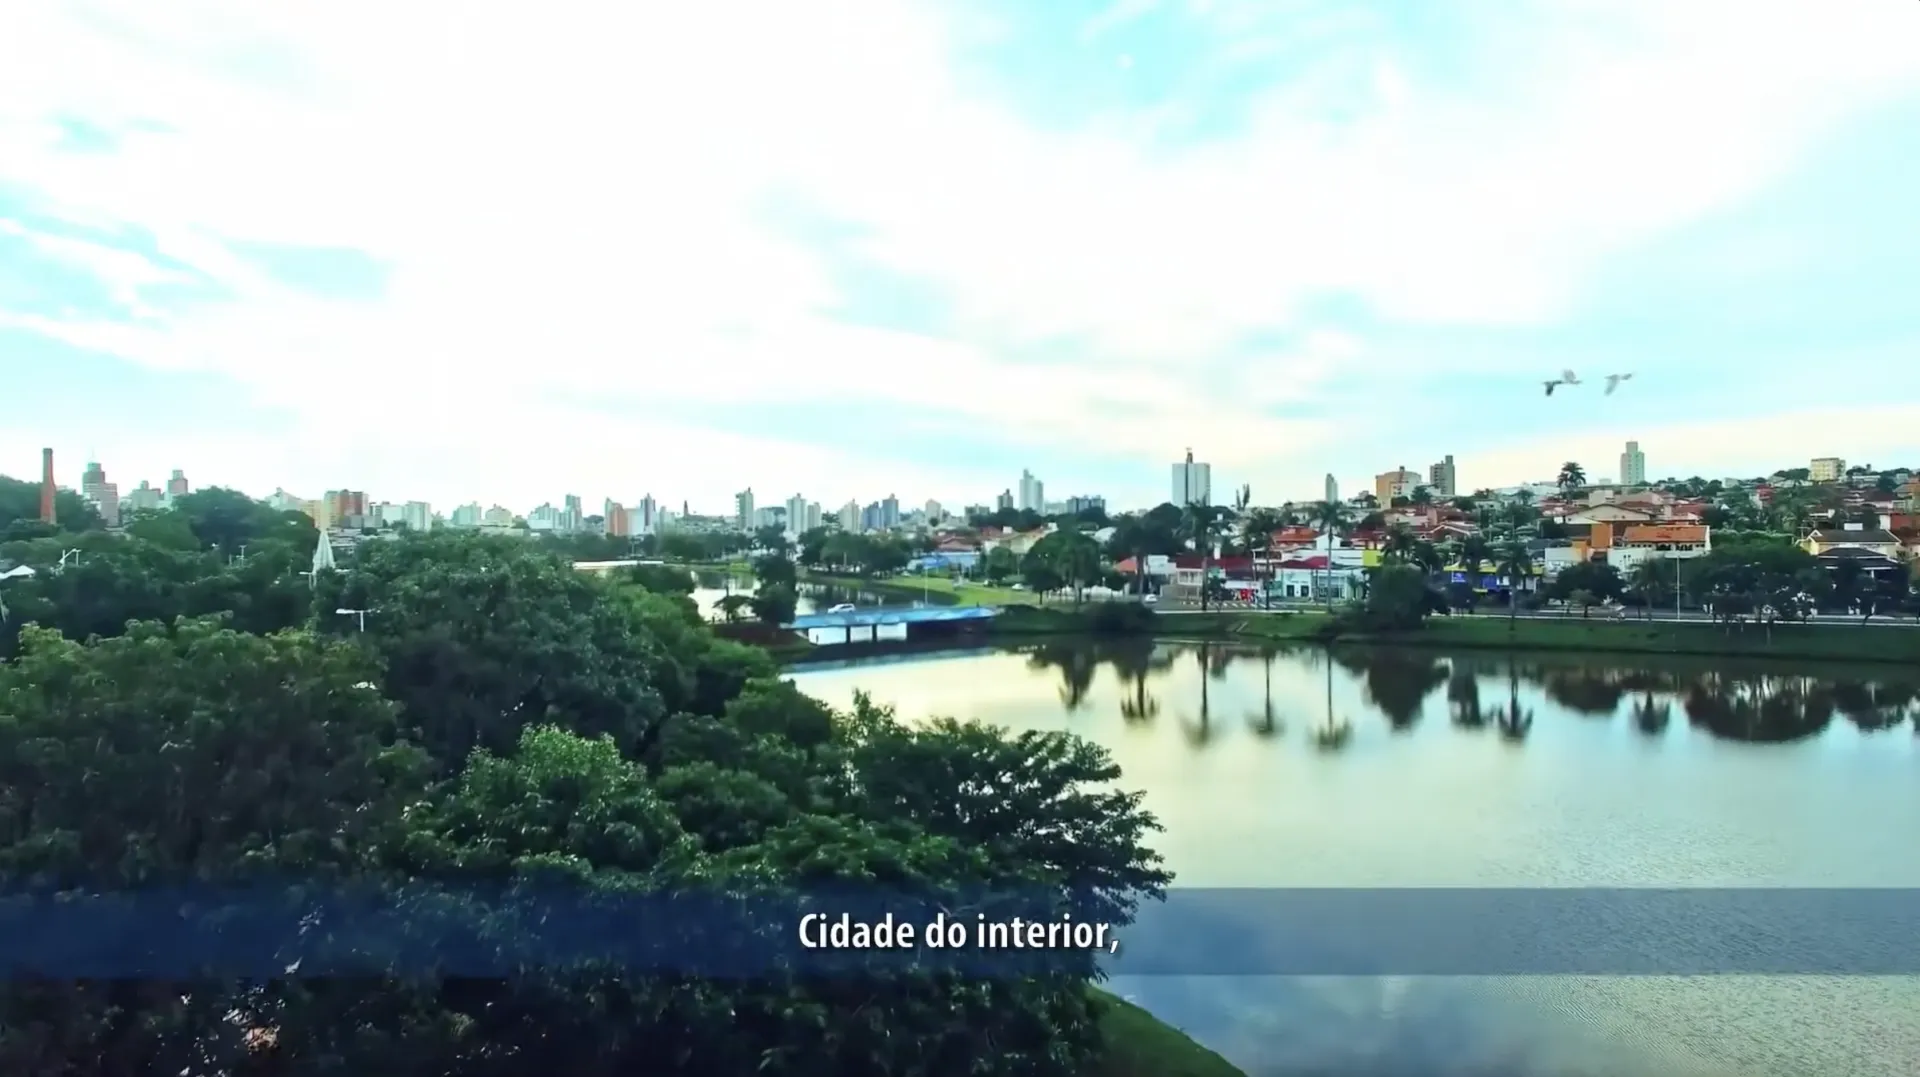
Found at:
[1150, 599]
[842, 607]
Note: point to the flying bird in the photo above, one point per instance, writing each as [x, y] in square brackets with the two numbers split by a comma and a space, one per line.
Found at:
[1552, 384]
[1614, 380]
[1569, 377]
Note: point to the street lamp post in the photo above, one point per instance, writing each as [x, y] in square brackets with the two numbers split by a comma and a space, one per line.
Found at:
[359, 616]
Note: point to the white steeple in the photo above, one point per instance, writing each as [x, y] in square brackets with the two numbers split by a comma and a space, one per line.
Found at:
[322, 555]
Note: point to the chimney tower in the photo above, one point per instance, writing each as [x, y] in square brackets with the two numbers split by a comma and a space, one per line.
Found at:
[46, 486]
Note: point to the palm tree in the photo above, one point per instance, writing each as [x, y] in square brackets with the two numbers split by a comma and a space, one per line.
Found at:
[1332, 518]
[1645, 581]
[1572, 477]
[733, 606]
[1474, 552]
[1513, 562]
[1400, 544]
[1199, 525]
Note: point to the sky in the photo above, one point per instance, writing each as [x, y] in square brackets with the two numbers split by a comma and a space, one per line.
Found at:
[849, 248]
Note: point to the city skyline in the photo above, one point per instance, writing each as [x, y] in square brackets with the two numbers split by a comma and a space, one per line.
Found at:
[646, 512]
[1368, 251]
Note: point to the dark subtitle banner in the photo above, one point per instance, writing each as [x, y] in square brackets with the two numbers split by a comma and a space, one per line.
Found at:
[266, 933]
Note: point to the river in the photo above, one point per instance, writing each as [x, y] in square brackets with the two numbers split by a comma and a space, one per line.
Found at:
[1629, 773]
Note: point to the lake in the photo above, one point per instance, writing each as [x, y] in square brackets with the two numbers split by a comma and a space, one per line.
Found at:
[1605, 773]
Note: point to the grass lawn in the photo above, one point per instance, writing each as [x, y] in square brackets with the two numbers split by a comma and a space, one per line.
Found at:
[1141, 1045]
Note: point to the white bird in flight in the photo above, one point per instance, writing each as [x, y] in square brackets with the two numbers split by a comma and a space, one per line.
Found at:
[1614, 380]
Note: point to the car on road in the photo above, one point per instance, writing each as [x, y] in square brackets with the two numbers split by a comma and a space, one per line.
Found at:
[842, 607]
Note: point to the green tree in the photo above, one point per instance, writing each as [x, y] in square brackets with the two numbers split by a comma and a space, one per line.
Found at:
[1333, 519]
[1513, 561]
[1201, 527]
[733, 606]
[1001, 564]
[589, 739]
[1399, 598]
[163, 758]
[1594, 581]
[228, 520]
[20, 511]
[1572, 478]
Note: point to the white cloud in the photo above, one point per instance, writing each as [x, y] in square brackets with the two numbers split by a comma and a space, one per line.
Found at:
[571, 201]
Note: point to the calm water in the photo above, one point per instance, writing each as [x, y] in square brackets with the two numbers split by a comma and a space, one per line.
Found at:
[1616, 773]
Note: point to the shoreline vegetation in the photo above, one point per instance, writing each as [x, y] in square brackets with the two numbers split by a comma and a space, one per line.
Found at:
[1026, 617]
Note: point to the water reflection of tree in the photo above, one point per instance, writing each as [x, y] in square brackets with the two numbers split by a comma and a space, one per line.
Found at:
[1212, 661]
[1336, 733]
[1875, 705]
[1077, 663]
[1515, 721]
[1651, 715]
[1764, 709]
[1585, 689]
[1134, 661]
[1265, 724]
[1398, 682]
[1463, 695]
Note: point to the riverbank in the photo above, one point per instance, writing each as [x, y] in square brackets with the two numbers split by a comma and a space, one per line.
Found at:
[1141, 1045]
[1818, 642]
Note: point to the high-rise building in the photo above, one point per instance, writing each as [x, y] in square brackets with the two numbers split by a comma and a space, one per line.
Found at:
[346, 508]
[1396, 483]
[935, 514]
[1004, 501]
[644, 519]
[815, 517]
[743, 509]
[1332, 490]
[1633, 465]
[1192, 483]
[1033, 493]
[144, 498]
[467, 515]
[849, 517]
[796, 515]
[104, 495]
[1084, 503]
[619, 521]
[177, 485]
[1827, 469]
[1440, 478]
[890, 512]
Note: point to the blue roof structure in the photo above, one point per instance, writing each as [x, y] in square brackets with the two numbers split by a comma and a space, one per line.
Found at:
[884, 615]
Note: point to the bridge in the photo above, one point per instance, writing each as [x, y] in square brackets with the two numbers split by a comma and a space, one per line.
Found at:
[875, 624]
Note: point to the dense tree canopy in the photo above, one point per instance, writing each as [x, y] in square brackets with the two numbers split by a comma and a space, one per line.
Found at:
[503, 720]
[20, 511]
